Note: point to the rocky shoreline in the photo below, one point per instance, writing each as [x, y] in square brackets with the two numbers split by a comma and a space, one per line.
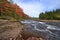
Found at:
[9, 29]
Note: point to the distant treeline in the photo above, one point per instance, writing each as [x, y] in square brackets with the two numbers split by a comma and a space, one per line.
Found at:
[50, 15]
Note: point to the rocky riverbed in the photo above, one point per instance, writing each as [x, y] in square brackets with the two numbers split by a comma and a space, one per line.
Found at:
[12, 30]
[46, 30]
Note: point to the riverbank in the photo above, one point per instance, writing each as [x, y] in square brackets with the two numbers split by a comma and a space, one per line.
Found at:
[48, 20]
[9, 29]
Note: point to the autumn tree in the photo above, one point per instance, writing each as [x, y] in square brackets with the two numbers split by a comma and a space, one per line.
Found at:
[10, 10]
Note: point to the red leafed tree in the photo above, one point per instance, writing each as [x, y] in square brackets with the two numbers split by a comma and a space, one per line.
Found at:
[10, 9]
[20, 12]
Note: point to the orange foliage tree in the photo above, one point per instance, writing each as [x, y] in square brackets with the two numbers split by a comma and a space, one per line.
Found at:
[12, 10]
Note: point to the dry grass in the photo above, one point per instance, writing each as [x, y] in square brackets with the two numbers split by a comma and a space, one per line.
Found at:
[50, 20]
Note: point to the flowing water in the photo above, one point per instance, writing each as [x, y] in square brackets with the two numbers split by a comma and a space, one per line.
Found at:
[50, 30]
[53, 29]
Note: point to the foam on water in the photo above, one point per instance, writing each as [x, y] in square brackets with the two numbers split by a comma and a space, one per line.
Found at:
[42, 22]
[50, 27]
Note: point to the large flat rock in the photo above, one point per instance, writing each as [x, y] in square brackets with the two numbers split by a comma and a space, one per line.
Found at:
[9, 29]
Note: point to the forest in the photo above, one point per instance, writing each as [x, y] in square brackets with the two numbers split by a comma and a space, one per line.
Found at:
[9, 10]
[50, 15]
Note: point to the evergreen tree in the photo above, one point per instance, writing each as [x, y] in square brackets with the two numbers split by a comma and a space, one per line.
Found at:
[55, 14]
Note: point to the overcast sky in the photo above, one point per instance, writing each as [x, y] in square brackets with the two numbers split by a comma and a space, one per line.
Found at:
[34, 7]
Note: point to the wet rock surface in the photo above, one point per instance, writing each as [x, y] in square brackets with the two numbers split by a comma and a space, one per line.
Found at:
[46, 30]
[53, 23]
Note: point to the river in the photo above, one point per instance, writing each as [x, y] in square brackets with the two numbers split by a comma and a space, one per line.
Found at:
[49, 30]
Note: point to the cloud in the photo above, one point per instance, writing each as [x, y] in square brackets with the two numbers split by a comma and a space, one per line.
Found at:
[34, 7]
